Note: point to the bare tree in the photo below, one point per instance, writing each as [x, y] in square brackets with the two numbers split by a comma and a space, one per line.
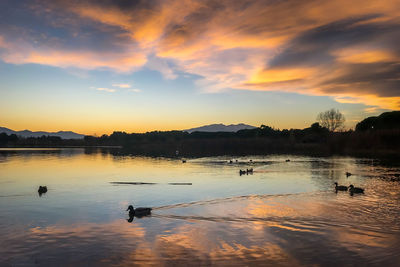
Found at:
[332, 119]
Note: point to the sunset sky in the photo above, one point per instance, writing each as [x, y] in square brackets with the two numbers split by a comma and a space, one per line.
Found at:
[95, 66]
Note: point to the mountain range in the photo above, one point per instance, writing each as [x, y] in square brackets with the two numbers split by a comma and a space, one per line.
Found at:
[27, 133]
[72, 135]
[220, 128]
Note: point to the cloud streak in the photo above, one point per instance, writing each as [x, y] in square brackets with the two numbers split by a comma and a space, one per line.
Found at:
[346, 50]
[109, 90]
[122, 85]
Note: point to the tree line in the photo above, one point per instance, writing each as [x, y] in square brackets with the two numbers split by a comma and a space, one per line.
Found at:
[374, 136]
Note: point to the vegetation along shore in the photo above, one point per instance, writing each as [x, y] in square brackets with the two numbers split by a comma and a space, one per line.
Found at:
[373, 137]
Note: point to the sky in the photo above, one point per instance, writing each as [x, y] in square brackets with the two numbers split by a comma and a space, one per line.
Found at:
[98, 66]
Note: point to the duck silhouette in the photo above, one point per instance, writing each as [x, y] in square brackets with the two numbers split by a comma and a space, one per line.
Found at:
[348, 174]
[131, 217]
[42, 190]
[138, 212]
[356, 190]
[340, 187]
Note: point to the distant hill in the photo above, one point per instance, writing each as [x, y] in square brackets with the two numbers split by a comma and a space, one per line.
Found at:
[387, 120]
[27, 133]
[220, 128]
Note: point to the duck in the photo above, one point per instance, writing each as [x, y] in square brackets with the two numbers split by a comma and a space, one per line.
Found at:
[242, 172]
[183, 160]
[288, 160]
[42, 189]
[348, 174]
[249, 171]
[131, 217]
[353, 189]
[138, 212]
[340, 187]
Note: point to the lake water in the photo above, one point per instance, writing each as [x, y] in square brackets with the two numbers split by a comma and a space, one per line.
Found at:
[284, 214]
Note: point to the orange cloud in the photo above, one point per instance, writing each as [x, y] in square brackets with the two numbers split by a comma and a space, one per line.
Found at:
[120, 62]
[310, 81]
[271, 76]
[360, 55]
[293, 46]
[391, 103]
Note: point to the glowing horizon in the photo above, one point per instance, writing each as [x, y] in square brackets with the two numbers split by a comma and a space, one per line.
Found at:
[136, 66]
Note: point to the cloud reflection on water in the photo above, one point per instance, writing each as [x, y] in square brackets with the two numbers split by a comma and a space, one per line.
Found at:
[288, 215]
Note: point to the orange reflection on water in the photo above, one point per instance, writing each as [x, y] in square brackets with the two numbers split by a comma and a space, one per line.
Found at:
[355, 239]
[64, 166]
[131, 244]
[83, 217]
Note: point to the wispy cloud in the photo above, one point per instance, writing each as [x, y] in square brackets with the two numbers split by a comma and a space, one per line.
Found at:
[106, 89]
[113, 90]
[294, 46]
[122, 85]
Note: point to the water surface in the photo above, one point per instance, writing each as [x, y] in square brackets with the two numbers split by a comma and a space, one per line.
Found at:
[284, 214]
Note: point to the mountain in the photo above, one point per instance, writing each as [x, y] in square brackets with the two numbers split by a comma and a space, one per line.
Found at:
[220, 128]
[27, 133]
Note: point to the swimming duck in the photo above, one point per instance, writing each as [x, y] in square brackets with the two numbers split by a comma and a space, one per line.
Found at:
[249, 171]
[242, 172]
[42, 189]
[340, 187]
[348, 174]
[131, 217]
[183, 160]
[138, 212]
[288, 160]
[353, 189]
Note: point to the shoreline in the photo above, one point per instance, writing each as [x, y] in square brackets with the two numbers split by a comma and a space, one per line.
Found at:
[123, 151]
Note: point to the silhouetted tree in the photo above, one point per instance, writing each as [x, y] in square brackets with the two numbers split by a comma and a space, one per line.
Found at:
[331, 119]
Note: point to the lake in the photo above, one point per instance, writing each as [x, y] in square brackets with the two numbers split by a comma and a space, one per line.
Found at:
[204, 212]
